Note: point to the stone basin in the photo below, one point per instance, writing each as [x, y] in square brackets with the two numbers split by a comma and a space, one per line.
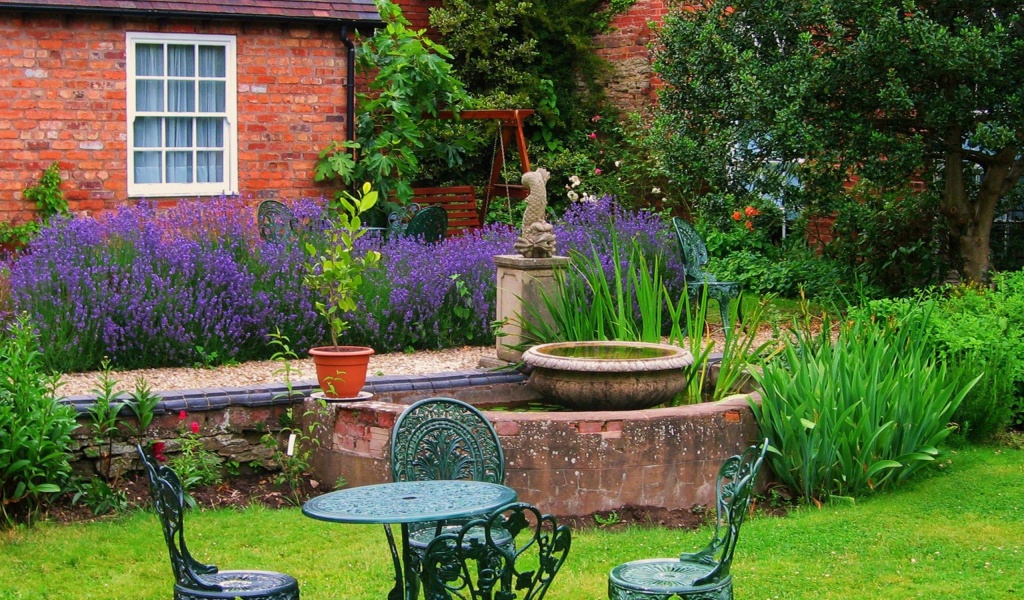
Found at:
[608, 375]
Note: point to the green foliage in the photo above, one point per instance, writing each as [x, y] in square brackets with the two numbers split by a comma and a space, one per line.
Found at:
[335, 272]
[977, 331]
[890, 238]
[860, 413]
[195, 465]
[759, 96]
[97, 494]
[35, 427]
[47, 194]
[49, 201]
[530, 54]
[409, 77]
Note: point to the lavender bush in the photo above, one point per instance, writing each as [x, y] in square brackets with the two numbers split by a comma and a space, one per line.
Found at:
[149, 288]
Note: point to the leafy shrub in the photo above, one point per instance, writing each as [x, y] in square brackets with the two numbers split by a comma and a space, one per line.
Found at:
[858, 414]
[35, 427]
[978, 331]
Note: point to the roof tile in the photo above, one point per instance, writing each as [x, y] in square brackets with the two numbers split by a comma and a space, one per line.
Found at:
[313, 10]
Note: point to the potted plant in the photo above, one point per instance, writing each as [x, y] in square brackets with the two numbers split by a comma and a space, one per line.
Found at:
[334, 275]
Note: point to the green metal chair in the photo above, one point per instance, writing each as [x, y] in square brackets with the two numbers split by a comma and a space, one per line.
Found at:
[701, 575]
[475, 562]
[192, 579]
[443, 438]
[276, 221]
[698, 283]
[428, 224]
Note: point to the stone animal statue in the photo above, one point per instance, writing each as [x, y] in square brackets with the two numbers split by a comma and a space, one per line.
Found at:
[537, 239]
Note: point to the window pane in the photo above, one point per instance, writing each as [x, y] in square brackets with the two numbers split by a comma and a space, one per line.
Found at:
[147, 133]
[209, 166]
[212, 62]
[149, 60]
[209, 133]
[149, 95]
[211, 96]
[147, 167]
[181, 96]
[181, 61]
[179, 133]
[179, 167]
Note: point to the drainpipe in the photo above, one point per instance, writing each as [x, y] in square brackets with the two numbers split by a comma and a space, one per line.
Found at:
[350, 85]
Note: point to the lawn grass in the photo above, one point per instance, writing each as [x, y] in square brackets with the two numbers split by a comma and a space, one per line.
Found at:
[954, 533]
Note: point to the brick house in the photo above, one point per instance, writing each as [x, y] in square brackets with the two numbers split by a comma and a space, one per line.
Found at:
[169, 100]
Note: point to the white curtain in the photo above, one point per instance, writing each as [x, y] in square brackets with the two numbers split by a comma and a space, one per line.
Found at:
[195, 146]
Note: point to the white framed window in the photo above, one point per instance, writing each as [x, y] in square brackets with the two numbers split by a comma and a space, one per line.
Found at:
[182, 125]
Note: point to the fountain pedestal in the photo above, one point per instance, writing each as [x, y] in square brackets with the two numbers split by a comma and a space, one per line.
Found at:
[521, 281]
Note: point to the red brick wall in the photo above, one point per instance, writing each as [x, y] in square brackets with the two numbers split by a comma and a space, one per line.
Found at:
[62, 98]
[418, 11]
[633, 84]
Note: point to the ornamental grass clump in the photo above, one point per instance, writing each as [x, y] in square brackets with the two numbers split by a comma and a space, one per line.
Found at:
[861, 413]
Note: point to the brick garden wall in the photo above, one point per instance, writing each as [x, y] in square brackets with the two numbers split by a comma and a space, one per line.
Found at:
[62, 98]
[633, 84]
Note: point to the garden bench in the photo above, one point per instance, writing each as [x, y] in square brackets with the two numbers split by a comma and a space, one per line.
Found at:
[703, 574]
[699, 284]
[458, 201]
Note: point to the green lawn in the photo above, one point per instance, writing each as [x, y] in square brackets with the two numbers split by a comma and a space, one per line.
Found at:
[957, 533]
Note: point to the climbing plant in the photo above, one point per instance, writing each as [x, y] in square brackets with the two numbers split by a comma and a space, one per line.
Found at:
[409, 76]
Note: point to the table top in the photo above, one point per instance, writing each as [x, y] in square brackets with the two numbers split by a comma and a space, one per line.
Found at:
[409, 502]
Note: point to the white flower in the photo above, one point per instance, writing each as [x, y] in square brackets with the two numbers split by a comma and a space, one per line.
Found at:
[574, 180]
[618, 164]
[573, 196]
[655, 190]
[589, 198]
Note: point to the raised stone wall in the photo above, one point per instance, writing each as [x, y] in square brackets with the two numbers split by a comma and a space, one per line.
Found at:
[570, 463]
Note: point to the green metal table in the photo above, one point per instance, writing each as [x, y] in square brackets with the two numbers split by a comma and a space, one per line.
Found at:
[408, 502]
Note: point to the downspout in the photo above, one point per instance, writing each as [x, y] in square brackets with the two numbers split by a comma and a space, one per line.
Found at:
[350, 85]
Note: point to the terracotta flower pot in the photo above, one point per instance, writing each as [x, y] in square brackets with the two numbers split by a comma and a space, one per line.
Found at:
[341, 370]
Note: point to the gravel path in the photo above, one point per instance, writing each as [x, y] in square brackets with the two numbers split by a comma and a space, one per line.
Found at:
[267, 371]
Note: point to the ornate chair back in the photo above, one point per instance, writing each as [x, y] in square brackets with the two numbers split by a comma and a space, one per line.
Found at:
[695, 252]
[478, 561]
[736, 479]
[429, 224]
[169, 502]
[276, 221]
[444, 438]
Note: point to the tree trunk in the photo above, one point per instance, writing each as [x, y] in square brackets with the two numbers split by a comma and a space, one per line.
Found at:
[970, 221]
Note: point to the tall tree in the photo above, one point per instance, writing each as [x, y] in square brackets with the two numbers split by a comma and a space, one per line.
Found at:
[931, 91]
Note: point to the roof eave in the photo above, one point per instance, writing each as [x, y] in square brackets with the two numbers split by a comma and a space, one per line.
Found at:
[359, 23]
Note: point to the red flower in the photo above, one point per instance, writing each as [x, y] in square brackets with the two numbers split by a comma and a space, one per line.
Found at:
[595, 118]
[158, 451]
[736, 216]
[181, 416]
[195, 427]
[749, 225]
[751, 211]
[593, 135]
[597, 171]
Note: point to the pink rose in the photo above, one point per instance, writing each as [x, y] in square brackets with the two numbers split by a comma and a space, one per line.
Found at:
[597, 171]
[195, 427]
[593, 135]
[181, 416]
